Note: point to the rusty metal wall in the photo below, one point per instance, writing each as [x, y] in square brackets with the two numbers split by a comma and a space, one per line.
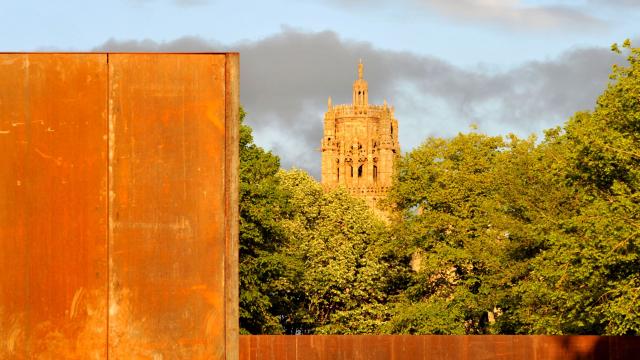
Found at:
[53, 205]
[115, 221]
[436, 347]
[166, 241]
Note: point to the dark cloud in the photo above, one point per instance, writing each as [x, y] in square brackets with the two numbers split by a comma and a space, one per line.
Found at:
[514, 14]
[183, 44]
[287, 77]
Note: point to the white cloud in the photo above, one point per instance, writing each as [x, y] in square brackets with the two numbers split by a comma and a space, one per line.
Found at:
[515, 14]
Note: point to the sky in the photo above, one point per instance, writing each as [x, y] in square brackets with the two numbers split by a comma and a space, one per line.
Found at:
[507, 66]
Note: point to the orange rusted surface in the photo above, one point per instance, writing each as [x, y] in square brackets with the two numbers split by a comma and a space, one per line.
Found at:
[436, 347]
[53, 206]
[167, 234]
[117, 232]
[232, 195]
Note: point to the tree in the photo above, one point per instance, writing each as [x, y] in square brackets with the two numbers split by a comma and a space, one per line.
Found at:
[591, 271]
[510, 236]
[264, 289]
[337, 240]
[310, 261]
[444, 190]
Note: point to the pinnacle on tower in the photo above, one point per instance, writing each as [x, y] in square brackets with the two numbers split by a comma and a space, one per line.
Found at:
[360, 89]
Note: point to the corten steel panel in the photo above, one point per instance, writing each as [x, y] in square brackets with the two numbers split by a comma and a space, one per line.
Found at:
[274, 347]
[438, 347]
[167, 229]
[407, 347]
[118, 176]
[53, 206]
[232, 211]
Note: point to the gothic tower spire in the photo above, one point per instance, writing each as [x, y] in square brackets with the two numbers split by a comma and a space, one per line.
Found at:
[360, 144]
[360, 89]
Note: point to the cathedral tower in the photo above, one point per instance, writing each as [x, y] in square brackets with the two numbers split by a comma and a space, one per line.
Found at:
[360, 144]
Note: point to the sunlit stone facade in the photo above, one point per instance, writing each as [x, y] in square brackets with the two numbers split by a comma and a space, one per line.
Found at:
[360, 145]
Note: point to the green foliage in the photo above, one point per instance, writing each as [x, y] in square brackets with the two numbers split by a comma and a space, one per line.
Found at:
[591, 272]
[337, 239]
[265, 292]
[455, 233]
[510, 236]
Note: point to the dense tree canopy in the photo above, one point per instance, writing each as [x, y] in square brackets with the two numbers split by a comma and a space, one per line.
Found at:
[310, 260]
[338, 241]
[484, 234]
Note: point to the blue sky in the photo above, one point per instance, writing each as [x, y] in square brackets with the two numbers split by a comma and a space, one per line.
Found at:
[508, 65]
[410, 25]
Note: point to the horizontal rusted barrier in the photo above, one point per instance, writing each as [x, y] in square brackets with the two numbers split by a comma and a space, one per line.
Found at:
[476, 347]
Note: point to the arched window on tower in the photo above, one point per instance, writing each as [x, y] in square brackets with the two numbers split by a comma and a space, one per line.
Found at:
[360, 171]
[338, 175]
[375, 173]
[351, 167]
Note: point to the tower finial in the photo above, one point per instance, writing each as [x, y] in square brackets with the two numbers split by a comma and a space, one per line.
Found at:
[360, 69]
[329, 103]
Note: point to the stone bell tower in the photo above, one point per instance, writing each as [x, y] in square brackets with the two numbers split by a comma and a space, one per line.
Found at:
[360, 144]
